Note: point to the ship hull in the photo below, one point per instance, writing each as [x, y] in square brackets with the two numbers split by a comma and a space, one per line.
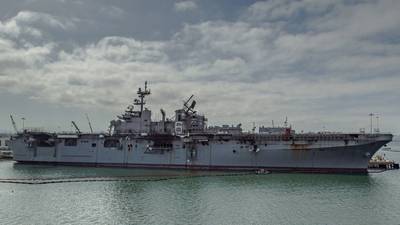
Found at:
[216, 153]
[206, 167]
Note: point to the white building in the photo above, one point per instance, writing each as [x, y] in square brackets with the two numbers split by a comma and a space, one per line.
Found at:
[4, 139]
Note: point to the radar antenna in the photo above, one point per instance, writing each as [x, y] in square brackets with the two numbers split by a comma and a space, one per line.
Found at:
[129, 109]
[192, 105]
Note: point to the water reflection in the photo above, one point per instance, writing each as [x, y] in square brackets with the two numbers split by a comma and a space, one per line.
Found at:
[245, 199]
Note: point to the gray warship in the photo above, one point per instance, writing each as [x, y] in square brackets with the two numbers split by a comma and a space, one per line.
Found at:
[186, 142]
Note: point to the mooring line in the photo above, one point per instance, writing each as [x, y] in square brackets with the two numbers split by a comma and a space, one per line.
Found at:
[33, 181]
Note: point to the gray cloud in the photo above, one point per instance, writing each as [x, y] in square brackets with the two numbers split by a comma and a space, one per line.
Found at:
[183, 6]
[305, 59]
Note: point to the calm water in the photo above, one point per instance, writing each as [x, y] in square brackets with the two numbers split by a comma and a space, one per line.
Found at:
[247, 199]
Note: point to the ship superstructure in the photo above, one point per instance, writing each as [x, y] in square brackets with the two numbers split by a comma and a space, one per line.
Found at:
[185, 141]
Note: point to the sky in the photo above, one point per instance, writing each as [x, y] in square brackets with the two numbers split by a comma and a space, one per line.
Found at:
[324, 64]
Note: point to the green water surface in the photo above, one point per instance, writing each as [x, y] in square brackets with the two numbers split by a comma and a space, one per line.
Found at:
[245, 199]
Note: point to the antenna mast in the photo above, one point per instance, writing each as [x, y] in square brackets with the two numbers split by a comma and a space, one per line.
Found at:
[142, 94]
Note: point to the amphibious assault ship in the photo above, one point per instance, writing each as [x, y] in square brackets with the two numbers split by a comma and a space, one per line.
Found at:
[185, 141]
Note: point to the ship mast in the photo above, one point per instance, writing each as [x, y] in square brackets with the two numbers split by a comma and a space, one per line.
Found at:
[142, 94]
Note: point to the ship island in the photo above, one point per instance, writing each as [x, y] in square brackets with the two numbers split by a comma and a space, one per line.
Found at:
[185, 141]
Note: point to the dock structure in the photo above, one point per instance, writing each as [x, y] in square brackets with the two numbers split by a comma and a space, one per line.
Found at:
[379, 162]
[5, 152]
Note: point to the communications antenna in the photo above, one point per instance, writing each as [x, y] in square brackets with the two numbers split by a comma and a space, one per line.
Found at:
[190, 108]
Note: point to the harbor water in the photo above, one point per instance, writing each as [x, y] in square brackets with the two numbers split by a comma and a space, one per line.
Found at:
[49, 194]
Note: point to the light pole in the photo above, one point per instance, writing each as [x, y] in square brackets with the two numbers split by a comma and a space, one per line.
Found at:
[377, 123]
[23, 123]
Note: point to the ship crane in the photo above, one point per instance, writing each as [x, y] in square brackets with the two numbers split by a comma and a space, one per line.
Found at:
[90, 124]
[14, 124]
[76, 127]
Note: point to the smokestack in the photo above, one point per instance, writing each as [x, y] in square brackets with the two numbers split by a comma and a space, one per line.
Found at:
[163, 114]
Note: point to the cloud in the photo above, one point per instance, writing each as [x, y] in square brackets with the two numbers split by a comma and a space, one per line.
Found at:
[287, 10]
[184, 6]
[309, 60]
[27, 24]
[112, 11]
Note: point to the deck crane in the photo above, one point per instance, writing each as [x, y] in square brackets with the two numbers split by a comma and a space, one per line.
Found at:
[14, 124]
[76, 127]
[90, 124]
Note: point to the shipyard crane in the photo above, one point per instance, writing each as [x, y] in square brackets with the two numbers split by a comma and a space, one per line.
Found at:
[90, 125]
[14, 124]
[76, 127]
